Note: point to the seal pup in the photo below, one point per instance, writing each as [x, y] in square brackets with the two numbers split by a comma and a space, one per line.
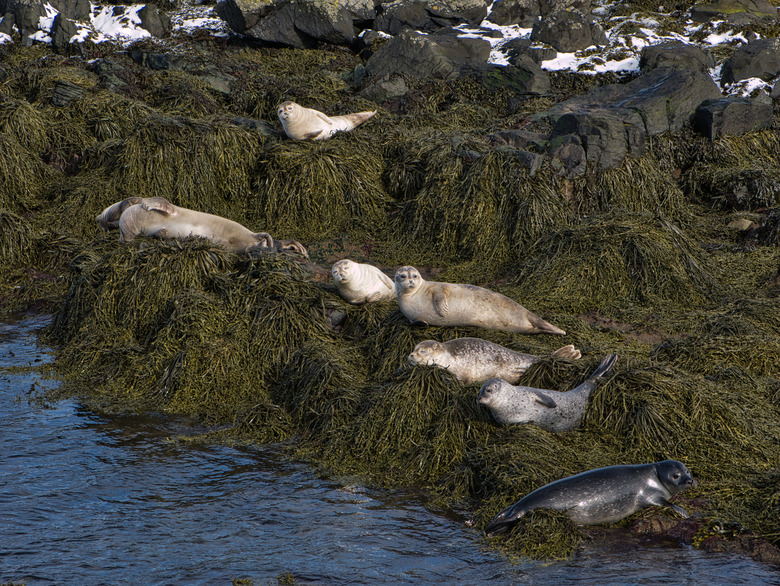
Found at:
[550, 410]
[451, 304]
[361, 283]
[156, 216]
[301, 123]
[473, 360]
[603, 495]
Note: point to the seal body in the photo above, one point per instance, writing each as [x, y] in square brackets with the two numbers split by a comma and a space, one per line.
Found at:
[550, 410]
[362, 283]
[603, 495]
[450, 304]
[156, 216]
[473, 360]
[306, 123]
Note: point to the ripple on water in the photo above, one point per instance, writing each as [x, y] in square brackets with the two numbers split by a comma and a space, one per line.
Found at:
[91, 500]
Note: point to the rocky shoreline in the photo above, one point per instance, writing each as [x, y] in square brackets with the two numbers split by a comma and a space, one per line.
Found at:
[633, 202]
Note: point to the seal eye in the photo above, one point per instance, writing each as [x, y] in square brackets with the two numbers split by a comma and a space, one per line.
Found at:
[676, 476]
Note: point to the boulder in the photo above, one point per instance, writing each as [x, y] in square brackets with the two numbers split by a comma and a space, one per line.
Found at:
[417, 55]
[734, 11]
[567, 155]
[759, 58]
[568, 30]
[242, 15]
[732, 115]
[514, 48]
[523, 13]
[525, 77]
[674, 54]
[428, 16]
[156, 22]
[531, 161]
[519, 139]
[666, 98]
[62, 31]
[607, 135]
[73, 9]
[547, 7]
[65, 93]
[27, 15]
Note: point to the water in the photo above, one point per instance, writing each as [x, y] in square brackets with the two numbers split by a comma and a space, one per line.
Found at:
[86, 499]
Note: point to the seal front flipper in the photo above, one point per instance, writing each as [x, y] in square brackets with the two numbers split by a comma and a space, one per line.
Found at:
[323, 117]
[543, 399]
[441, 304]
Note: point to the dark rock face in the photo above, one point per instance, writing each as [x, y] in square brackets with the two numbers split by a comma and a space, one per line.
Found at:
[517, 47]
[732, 115]
[428, 16]
[157, 23]
[760, 58]
[26, 15]
[735, 11]
[416, 55]
[62, 31]
[568, 31]
[607, 135]
[678, 55]
[520, 12]
[525, 77]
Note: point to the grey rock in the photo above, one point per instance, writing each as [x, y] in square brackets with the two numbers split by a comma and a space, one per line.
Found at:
[7, 23]
[531, 161]
[524, 13]
[525, 77]
[386, 88]
[775, 93]
[519, 139]
[155, 61]
[547, 7]
[73, 9]
[568, 31]
[760, 58]
[734, 11]
[156, 22]
[516, 47]
[732, 115]
[242, 15]
[428, 16]
[568, 156]
[417, 55]
[679, 55]
[62, 31]
[65, 93]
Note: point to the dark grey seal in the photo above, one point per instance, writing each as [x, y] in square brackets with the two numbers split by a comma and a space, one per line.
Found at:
[550, 410]
[603, 495]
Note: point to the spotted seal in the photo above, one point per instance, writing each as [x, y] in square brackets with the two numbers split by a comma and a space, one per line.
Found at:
[473, 360]
[156, 216]
[549, 410]
[301, 123]
[362, 283]
[603, 495]
[451, 304]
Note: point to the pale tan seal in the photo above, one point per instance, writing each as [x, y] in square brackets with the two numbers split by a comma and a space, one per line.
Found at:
[550, 410]
[156, 216]
[451, 304]
[473, 360]
[362, 283]
[301, 123]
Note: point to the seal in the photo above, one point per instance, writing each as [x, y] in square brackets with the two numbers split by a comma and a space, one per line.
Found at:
[362, 283]
[549, 410]
[156, 216]
[473, 360]
[603, 495]
[452, 304]
[301, 123]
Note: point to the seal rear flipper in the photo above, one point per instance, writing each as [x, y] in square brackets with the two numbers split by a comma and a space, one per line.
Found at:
[504, 521]
[605, 366]
[158, 204]
[543, 327]
[109, 217]
[292, 246]
[568, 352]
[544, 399]
[359, 117]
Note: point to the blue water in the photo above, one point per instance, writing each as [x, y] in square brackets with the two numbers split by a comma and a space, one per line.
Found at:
[86, 499]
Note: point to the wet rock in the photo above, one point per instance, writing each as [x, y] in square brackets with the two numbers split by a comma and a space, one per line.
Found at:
[759, 58]
[156, 22]
[519, 139]
[428, 16]
[568, 30]
[417, 55]
[65, 93]
[62, 31]
[680, 55]
[524, 77]
[666, 98]
[732, 115]
[155, 61]
[523, 13]
[607, 135]
[568, 155]
[516, 47]
[734, 11]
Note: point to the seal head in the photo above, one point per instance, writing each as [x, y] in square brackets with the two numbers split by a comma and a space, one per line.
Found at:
[603, 495]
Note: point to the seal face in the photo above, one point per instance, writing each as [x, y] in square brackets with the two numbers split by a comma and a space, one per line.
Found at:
[550, 410]
[156, 216]
[362, 283]
[603, 495]
[306, 123]
[452, 304]
[473, 360]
